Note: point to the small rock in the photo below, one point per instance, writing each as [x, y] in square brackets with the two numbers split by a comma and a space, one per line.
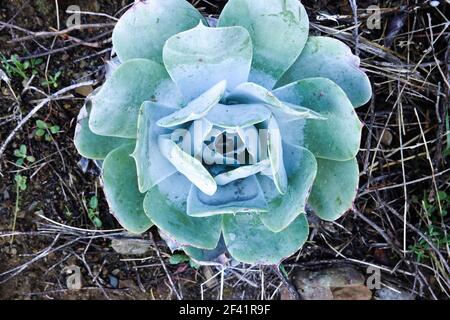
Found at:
[396, 294]
[128, 246]
[113, 281]
[352, 293]
[83, 164]
[13, 252]
[386, 138]
[435, 3]
[73, 280]
[342, 283]
[5, 91]
[6, 195]
[115, 272]
[84, 90]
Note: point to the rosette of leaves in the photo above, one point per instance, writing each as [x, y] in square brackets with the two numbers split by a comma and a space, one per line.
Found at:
[184, 92]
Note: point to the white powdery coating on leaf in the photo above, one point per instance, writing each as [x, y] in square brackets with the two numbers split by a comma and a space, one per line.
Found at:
[197, 108]
[169, 95]
[241, 172]
[190, 167]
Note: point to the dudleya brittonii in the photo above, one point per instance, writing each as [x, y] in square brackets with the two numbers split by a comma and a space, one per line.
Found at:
[222, 136]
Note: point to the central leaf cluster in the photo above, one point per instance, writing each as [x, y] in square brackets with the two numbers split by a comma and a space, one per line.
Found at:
[218, 140]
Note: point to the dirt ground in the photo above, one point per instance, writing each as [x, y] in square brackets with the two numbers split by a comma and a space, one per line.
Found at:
[48, 231]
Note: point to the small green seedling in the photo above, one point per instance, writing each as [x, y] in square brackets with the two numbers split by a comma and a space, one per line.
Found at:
[52, 81]
[22, 156]
[14, 67]
[434, 211]
[21, 182]
[21, 185]
[46, 130]
[93, 213]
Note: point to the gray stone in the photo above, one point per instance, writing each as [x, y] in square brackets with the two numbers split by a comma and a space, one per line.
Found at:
[343, 283]
[396, 294]
[128, 246]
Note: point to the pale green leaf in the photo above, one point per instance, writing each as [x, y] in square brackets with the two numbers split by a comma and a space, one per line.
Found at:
[121, 190]
[115, 107]
[279, 30]
[144, 28]
[205, 257]
[187, 165]
[243, 195]
[91, 145]
[301, 170]
[335, 188]
[330, 58]
[336, 138]
[197, 108]
[201, 57]
[152, 166]
[237, 115]
[275, 152]
[253, 93]
[249, 241]
[241, 172]
[165, 204]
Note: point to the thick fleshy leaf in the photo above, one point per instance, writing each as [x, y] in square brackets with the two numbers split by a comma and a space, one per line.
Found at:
[187, 165]
[301, 170]
[121, 191]
[199, 58]
[253, 93]
[275, 151]
[197, 108]
[249, 241]
[279, 30]
[152, 166]
[205, 257]
[336, 138]
[115, 107]
[212, 157]
[241, 172]
[193, 139]
[91, 145]
[335, 188]
[250, 137]
[237, 115]
[330, 58]
[243, 195]
[165, 204]
[144, 28]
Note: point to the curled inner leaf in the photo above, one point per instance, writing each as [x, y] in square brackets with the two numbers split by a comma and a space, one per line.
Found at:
[190, 167]
[275, 150]
[241, 172]
[197, 108]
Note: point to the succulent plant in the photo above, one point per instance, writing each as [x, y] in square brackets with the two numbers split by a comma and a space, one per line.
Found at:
[223, 136]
